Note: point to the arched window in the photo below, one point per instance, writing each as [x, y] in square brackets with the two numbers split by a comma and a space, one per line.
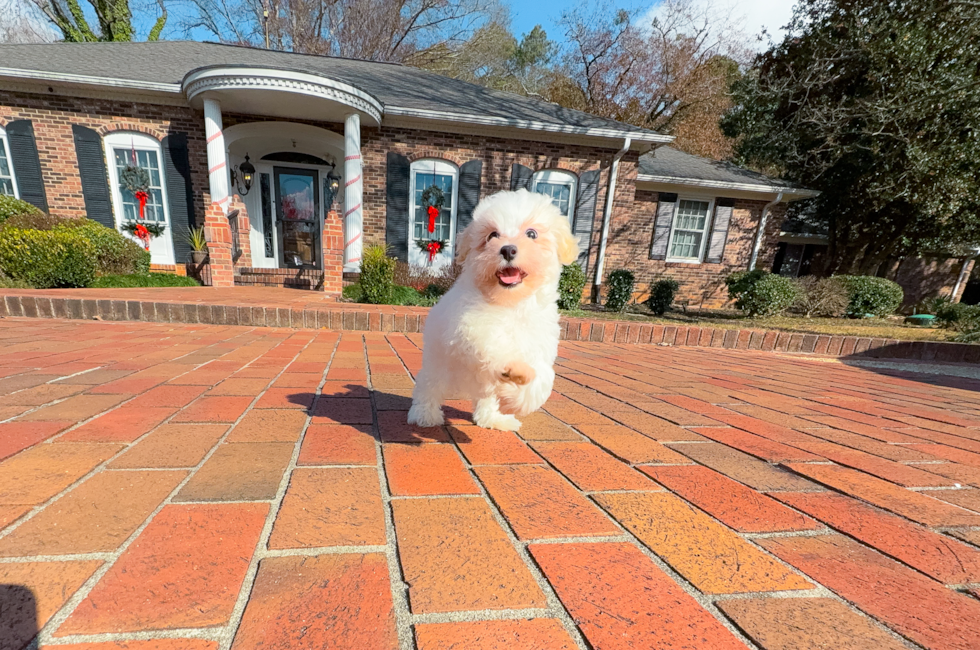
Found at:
[445, 176]
[124, 149]
[8, 183]
[560, 186]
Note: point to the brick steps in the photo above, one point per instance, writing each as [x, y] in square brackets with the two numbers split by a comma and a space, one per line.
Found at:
[367, 318]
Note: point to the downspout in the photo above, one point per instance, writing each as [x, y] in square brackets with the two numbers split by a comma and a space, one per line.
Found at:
[761, 231]
[606, 218]
[962, 277]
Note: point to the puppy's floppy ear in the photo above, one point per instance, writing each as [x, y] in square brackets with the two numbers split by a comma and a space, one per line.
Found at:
[567, 243]
[465, 242]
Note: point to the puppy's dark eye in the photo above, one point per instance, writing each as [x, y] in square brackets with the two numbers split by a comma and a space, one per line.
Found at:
[532, 234]
[493, 235]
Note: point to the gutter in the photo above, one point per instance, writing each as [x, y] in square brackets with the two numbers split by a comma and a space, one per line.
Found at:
[727, 185]
[607, 217]
[761, 230]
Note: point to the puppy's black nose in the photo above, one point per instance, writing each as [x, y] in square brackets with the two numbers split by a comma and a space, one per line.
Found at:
[508, 252]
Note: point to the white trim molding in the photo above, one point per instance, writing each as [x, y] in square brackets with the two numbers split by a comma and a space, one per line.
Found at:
[111, 82]
[531, 125]
[226, 78]
[788, 191]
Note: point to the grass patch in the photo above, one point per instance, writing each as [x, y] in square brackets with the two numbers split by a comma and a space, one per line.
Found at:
[886, 328]
[143, 280]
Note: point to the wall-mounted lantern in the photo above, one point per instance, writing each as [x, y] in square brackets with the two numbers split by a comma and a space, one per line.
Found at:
[242, 176]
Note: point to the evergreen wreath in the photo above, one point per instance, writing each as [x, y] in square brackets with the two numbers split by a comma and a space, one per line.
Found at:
[431, 247]
[135, 179]
[433, 196]
[155, 229]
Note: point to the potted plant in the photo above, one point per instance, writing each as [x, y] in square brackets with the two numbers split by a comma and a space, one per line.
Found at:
[199, 245]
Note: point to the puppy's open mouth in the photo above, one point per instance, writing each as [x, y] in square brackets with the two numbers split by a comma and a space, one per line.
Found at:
[510, 276]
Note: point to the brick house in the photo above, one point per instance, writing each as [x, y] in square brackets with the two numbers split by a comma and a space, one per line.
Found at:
[292, 162]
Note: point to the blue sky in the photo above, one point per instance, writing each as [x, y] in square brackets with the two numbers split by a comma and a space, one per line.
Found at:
[525, 14]
[757, 14]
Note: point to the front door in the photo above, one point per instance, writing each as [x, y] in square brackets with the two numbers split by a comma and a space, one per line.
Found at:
[298, 218]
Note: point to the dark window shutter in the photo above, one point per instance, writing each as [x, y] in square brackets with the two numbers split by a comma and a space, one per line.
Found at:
[469, 192]
[585, 202]
[520, 177]
[661, 227]
[91, 170]
[719, 230]
[180, 193]
[397, 187]
[26, 162]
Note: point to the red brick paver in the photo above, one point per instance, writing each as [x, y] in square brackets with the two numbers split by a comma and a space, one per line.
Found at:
[211, 487]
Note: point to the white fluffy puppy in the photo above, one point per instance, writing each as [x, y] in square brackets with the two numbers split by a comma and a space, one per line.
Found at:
[494, 336]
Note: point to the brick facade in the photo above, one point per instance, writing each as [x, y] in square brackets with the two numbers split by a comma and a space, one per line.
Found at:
[631, 229]
[631, 235]
[54, 115]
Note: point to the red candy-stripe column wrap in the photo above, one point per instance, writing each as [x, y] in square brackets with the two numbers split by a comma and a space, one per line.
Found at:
[217, 156]
[353, 213]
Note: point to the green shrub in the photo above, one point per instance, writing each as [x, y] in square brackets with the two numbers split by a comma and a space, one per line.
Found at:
[116, 254]
[11, 207]
[377, 274]
[36, 220]
[871, 295]
[760, 293]
[10, 283]
[570, 287]
[821, 297]
[740, 282]
[619, 289]
[662, 294]
[959, 317]
[353, 292]
[143, 280]
[47, 258]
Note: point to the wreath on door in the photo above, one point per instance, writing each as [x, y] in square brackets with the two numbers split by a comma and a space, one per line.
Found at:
[434, 199]
[136, 180]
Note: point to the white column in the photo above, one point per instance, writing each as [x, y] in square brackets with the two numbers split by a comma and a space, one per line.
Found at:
[217, 158]
[353, 214]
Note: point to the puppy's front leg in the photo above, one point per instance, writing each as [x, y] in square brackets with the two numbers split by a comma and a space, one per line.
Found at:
[486, 414]
[427, 399]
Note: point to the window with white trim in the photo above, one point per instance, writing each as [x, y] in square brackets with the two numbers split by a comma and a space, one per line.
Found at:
[560, 186]
[444, 175]
[689, 230]
[123, 150]
[8, 184]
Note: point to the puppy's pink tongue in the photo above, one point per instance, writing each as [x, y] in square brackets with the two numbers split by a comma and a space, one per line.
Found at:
[510, 275]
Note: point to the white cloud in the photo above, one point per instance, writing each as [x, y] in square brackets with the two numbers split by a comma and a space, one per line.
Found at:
[751, 16]
[770, 15]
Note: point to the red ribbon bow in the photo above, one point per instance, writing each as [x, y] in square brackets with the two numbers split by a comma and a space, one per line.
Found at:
[434, 247]
[143, 235]
[433, 214]
[141, 196]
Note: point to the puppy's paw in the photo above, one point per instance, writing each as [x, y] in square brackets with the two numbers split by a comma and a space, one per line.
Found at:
[518, 373]
[425, 416]
[498, 421]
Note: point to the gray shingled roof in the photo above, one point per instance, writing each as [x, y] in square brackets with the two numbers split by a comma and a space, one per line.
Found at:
[667, 162]
[392, 84]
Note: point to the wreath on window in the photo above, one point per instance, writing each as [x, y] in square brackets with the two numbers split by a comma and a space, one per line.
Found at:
[144, 231]
[136, 180]
[434, 198]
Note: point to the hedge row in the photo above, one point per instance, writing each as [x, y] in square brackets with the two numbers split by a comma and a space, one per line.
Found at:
[47, 251]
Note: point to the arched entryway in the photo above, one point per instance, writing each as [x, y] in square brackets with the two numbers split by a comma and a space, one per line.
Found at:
[289, 198]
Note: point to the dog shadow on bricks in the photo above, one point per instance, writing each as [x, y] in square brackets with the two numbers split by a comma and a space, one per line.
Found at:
[18, 616]
[356, 405]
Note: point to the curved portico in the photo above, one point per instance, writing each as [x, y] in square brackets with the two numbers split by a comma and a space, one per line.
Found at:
[288, 95]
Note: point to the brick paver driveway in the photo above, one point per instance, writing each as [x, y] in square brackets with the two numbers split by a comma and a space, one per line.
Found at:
[180, 487]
